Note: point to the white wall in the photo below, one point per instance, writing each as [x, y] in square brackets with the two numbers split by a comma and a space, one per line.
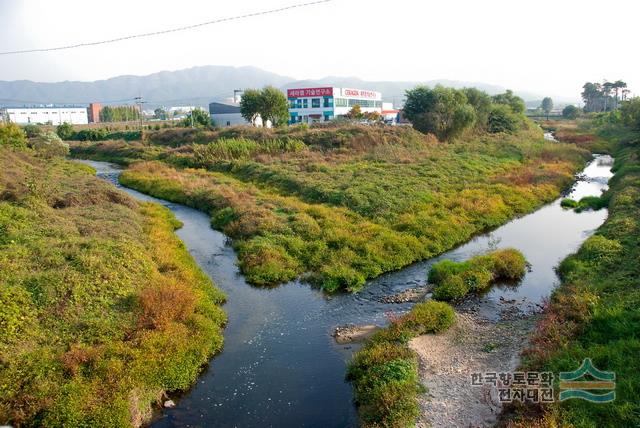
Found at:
[24, 116]
[234, 119]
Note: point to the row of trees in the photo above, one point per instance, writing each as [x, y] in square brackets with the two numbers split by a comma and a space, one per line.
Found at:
[606, 96]
[119, 113]
[448, 112]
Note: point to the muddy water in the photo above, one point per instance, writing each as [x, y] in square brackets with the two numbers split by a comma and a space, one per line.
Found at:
[280, 366]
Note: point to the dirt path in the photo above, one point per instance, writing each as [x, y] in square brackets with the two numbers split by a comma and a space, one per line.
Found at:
[448, 360]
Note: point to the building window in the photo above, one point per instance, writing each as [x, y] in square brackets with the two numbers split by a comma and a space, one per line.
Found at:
[292, 103]
[299, 103]
[328, 102]
[341, 102]
[305, 103]
[315, 103]
[328, 117]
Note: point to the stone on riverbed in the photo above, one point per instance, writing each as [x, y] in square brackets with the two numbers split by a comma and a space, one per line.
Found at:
[354, 333]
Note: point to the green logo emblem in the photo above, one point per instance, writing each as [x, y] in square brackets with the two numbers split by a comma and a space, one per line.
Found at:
[572, 387]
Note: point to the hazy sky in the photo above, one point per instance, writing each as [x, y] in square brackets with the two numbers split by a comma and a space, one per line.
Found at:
[549, 47]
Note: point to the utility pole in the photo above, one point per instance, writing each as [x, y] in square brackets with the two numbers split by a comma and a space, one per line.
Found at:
[139, 103]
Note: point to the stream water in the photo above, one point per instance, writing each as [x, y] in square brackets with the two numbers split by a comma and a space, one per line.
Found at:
[280, 366]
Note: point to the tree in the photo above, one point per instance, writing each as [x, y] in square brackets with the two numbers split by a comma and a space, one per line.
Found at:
[269, 103]
[198, 118]
[441, 111]
[11, 135]
[355, 112]
[160, 113]
[251, 104]
[481, 103]
[65, 131]
[274, 106]
[570, 112]
[547, 106]
[502, 119]
[508, 98]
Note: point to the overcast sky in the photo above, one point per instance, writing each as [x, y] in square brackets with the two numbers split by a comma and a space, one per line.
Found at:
[550, 47]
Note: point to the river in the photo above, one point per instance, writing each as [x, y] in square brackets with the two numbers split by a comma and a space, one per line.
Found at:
[280, 366]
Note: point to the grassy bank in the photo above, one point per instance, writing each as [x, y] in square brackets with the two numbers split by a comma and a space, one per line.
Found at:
[595, 312]
[340, 205]
[385, 371]
[102, 309]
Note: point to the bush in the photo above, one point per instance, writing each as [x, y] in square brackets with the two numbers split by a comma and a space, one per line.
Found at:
[49, 145]
[65, 131]
[32, 130]
[444, 269]
[454, 280]
[599, 249]
[11, 135]
[502, 119]
[451, 288]
[569, 203]
[509, 264]
[431, 317]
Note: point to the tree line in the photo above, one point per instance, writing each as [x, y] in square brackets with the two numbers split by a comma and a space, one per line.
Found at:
[119, 113]
[448, 112]
[606, 96]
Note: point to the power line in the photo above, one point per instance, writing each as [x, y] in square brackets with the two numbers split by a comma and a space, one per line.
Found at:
[171, 30]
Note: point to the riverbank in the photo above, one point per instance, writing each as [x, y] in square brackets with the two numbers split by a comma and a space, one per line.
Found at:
[595, 312]
[103, 311]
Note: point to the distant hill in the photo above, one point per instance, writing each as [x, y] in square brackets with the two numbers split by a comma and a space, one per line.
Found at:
[197, 86]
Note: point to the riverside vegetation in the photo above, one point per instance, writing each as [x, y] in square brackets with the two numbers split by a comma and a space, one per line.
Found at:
[102, 309]
[595, 311]
[338, 205]
[385, 372]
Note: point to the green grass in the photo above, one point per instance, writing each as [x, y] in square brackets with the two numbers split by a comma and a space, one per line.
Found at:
[102, 309]
[384, 372]
[341, 205]
[454, 280]
[595, 313]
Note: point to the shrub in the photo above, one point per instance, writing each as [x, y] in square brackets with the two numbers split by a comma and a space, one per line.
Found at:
[454, 280]
[451, 288]
[32, 130]
[444, 269]
[569, 203]
[599, 249]
[509, 264]
[591, 202]
[49, 145]
[341, 277]
[65, 131]
[11, 135]
[430, 317]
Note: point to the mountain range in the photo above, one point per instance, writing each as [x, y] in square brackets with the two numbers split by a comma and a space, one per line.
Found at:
[199, 86]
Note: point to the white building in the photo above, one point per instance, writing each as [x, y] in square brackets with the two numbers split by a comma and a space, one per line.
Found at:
[311, 105]
[228, 114]
[52, 115]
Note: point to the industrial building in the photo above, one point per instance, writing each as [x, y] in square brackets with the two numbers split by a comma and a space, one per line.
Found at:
[228, 114]
[313, 105]
[44, 115]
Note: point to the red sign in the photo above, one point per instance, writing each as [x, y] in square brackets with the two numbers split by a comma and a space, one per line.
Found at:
[309, 92]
